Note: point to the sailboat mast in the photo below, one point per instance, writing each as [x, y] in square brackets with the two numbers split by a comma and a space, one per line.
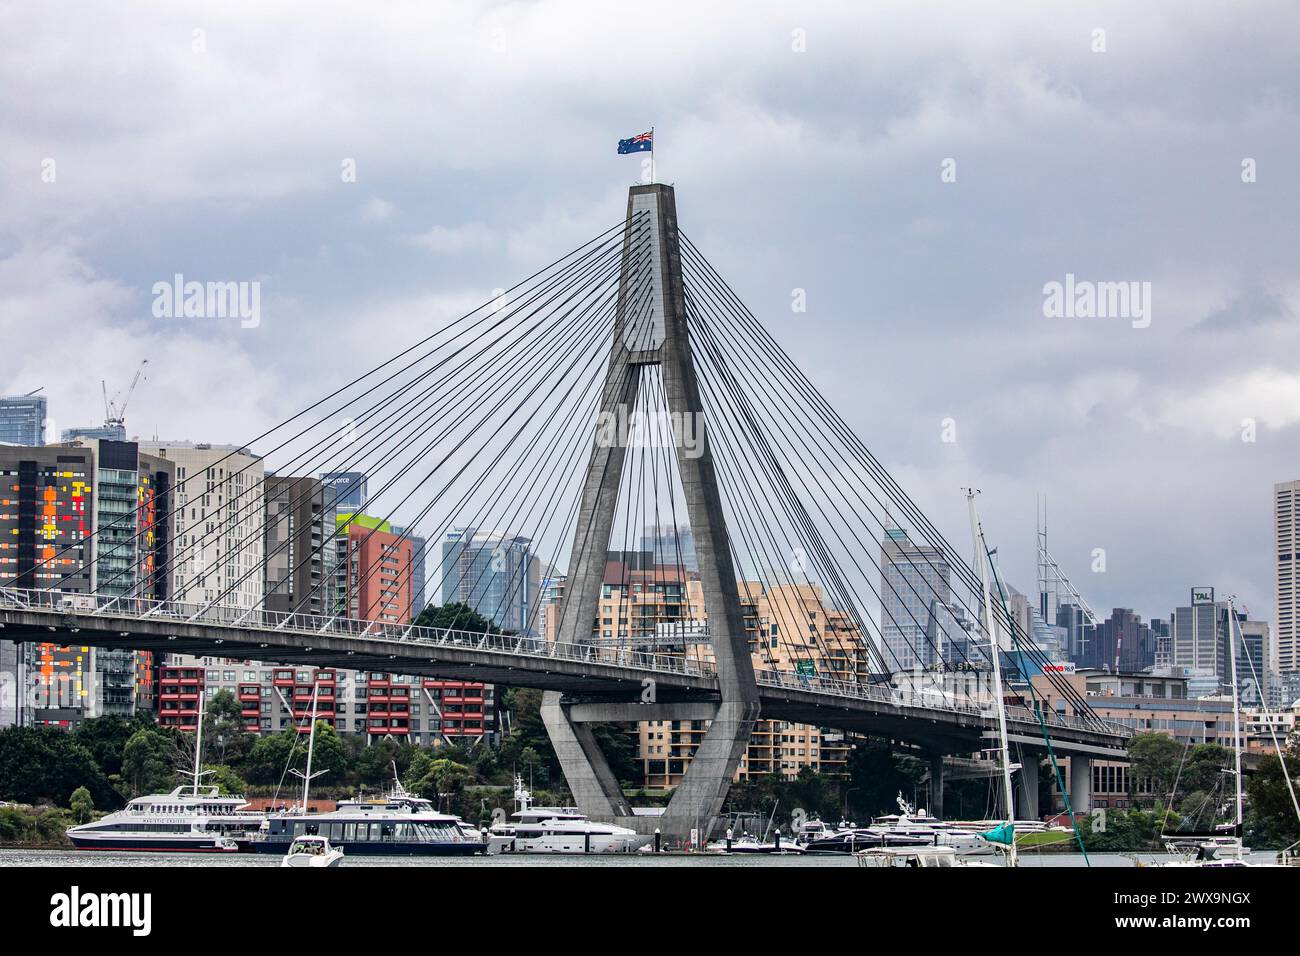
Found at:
[198, 739]
[311, 745]
[982, 557]
[1236, 713]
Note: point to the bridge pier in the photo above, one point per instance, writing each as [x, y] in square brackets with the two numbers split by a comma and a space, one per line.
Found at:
[1080, 784]
[936, 786]
[1027, 790]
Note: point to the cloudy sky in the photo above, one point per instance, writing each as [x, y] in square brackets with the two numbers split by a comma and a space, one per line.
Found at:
[808, 144]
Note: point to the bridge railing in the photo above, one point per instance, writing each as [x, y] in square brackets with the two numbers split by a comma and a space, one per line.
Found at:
[930, 699]
[259, 620]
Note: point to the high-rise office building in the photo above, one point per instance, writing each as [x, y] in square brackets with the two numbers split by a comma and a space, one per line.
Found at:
[494, 574]
[347, 489]
[1286, 559]
[1122, 638]
[1199, 640]
[1254, 660]
[22, 419]
[132, 536]
[911, 578]
[671, 546]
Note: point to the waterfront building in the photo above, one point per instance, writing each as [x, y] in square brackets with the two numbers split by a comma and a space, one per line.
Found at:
[1144, 702]
[378, 571]
[1199, 635]
[419, 574]
[1254, 660]
[671, 546]
[133, 545]
[22, 419]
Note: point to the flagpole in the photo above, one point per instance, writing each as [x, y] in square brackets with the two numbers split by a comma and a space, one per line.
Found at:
[652, 154]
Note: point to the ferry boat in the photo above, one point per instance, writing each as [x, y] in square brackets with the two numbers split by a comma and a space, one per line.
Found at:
[398, 824]
[560, 830]
[178, 822]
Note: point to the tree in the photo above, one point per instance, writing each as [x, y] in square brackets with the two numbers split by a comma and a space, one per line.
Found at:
[1155, 757]
[456, 616]
[1204, 769]
[45, 764]
[83, 807]
[445, 778]
[224, 735]
[227, 782]
[106, 737]
[149, 762]
[1273, 814]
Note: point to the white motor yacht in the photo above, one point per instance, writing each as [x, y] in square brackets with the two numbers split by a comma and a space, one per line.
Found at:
[532, 829]
[178, 822]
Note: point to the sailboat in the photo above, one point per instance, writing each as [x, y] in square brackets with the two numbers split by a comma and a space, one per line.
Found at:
[1224, 851]
[311, 850]
[1003, 836]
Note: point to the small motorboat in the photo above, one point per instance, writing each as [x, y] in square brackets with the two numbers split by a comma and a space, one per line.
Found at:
[312, 851]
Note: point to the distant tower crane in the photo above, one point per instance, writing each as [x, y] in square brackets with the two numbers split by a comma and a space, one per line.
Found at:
[115, 414]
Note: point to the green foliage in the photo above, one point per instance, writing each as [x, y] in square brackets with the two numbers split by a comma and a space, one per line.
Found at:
[1155, 757]
[106, 737]
[444, 779]
[227, 782]
[224, 738]
[149, 762]
[83, 805]
[1129, 831]
[458, 616]
[45, 764]
[1273, 816]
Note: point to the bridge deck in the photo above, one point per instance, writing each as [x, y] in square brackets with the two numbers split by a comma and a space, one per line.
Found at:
[580, 670]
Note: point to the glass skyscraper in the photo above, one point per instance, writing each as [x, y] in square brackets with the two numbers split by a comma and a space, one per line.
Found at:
[494, 574]
[912, 578]
[22, 420]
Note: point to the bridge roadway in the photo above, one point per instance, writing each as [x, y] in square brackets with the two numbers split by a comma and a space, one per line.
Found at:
[601, 677]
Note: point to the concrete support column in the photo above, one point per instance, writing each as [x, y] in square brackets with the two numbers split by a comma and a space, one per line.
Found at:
[1080, 784]
[1027, 791]
[936, 786]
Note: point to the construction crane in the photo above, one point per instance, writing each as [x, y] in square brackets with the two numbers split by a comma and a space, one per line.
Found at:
[115, 414]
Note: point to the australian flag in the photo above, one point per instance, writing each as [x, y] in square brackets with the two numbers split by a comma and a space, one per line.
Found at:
[641, 143]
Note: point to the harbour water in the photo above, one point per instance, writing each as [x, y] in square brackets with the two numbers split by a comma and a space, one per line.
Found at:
[105, 859]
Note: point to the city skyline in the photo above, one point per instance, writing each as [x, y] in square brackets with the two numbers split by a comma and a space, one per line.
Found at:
[1121, 165]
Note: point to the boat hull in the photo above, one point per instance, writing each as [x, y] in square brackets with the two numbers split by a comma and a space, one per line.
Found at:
[153, 845]
[380, 848]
